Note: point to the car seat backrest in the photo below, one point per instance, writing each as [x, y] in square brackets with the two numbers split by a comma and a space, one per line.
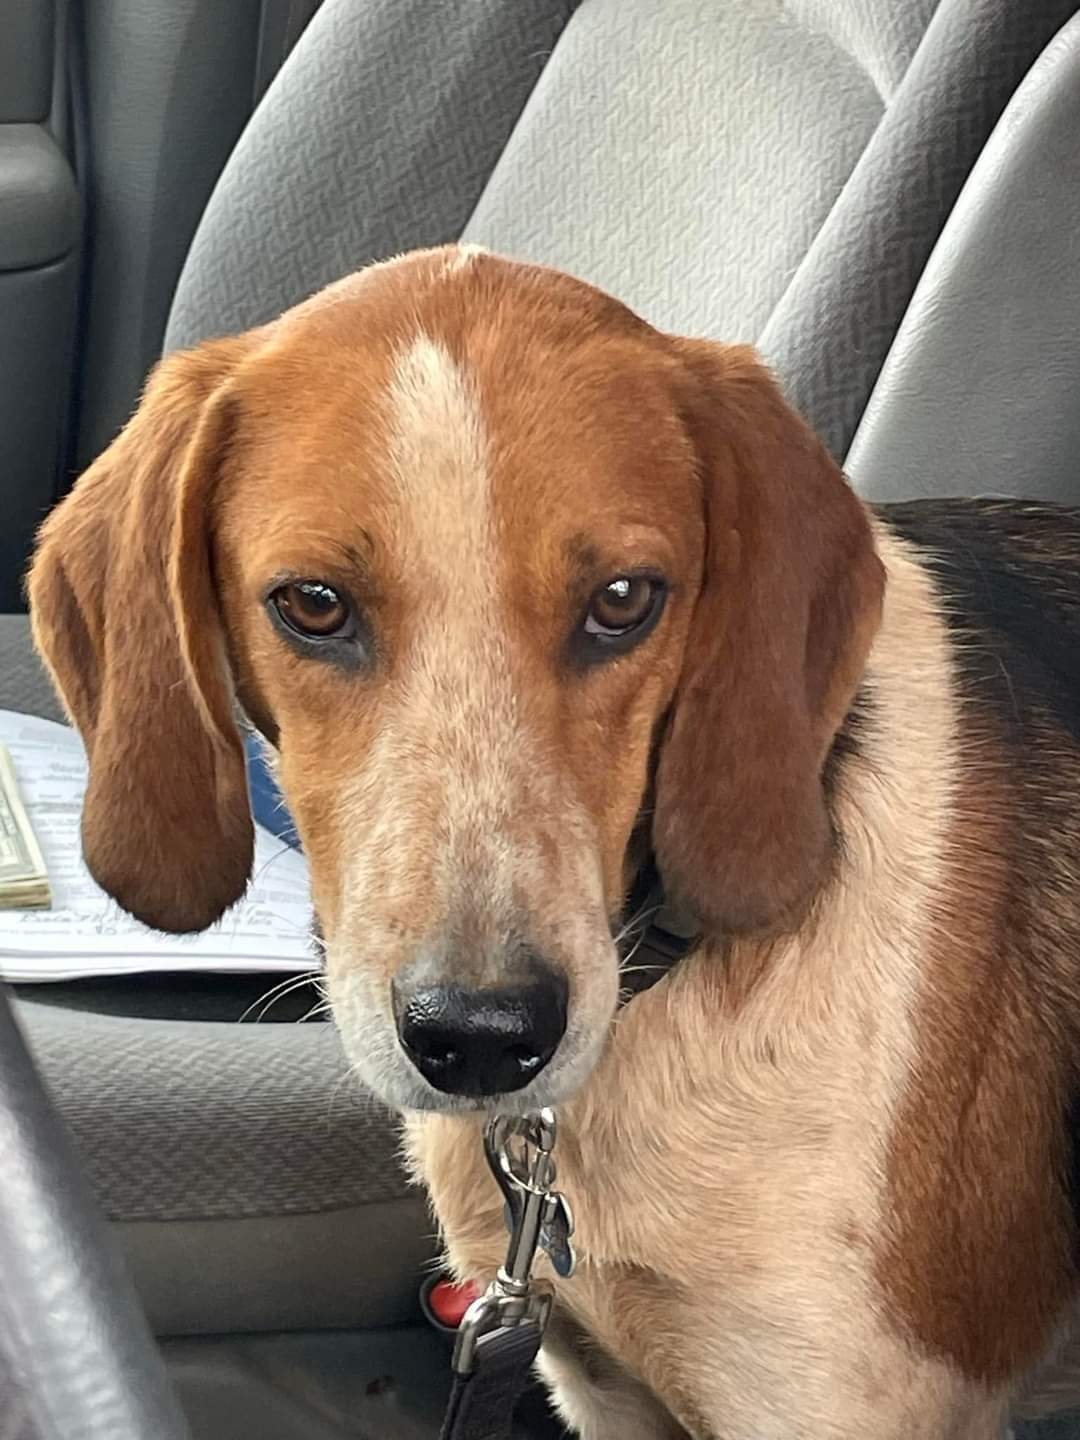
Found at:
[684, 156]
[377, 135]
[771, 170]
[980, 394]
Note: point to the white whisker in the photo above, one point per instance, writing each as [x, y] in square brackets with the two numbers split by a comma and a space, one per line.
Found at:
[640, 917]
[321, 1007]
[624, 963]
[278, 992]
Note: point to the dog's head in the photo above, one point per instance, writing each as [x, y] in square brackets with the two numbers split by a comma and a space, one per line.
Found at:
[520, 590]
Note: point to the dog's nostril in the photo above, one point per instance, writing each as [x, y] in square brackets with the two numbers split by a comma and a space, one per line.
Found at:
[433, 1052]
[483, 1042]
[524, 1057]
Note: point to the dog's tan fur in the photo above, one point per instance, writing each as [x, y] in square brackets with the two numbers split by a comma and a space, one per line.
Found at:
[766, 1104]
[819, 1170]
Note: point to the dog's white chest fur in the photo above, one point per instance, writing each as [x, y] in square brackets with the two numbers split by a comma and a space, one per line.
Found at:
[724, 1231]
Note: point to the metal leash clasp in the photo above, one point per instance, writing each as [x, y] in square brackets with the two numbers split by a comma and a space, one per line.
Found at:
[519, 1152]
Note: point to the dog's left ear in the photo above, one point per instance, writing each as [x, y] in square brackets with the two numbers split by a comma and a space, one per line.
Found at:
[790, 602]
[125, 615]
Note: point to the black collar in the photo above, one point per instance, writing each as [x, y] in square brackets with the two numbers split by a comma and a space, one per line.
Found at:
[655, 936]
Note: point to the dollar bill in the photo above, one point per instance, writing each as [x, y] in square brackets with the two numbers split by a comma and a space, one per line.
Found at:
[24, 881]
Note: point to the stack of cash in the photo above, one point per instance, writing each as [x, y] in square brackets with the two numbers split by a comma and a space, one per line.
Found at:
[24, 883]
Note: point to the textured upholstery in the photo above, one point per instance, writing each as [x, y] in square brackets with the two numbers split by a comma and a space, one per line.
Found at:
[692, 180]
[761, 171]
[227, 1121]
[829, 335]
[24, 684]
[980, 390]
[243, 1168]
[220, 1121]
[377, 136]
[881, 38]
[167, 91]
[758, 170]
[71, 1330]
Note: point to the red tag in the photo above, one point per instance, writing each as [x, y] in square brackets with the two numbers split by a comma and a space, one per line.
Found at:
[449, 1302]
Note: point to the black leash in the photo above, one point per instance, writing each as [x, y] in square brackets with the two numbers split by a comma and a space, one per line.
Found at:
[481, 1405]
[500, 1334]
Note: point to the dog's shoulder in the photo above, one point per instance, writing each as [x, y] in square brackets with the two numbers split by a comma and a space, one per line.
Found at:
[986, 1150]
[1007, 573]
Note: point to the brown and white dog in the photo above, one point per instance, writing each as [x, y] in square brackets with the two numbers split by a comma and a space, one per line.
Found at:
[526, 595]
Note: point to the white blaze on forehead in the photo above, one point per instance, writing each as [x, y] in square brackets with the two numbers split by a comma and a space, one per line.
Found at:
[462, 256]
[439, 458]
[454, 678]
[443, 822]
[457, 735]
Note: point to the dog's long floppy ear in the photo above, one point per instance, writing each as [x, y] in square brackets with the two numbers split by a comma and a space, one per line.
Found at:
[790, 603]
[124, 614]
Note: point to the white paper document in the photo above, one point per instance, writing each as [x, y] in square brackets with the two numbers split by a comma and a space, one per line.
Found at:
[87, 934]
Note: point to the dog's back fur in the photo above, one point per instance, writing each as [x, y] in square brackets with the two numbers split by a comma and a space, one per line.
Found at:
[991, 1124]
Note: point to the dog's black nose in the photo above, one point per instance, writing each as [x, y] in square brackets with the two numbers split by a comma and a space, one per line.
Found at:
[483, 1042]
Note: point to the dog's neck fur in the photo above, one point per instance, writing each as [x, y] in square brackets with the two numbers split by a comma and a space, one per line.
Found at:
[893, 767]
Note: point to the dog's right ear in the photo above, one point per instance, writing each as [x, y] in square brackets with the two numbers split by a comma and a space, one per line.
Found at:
[125, 615]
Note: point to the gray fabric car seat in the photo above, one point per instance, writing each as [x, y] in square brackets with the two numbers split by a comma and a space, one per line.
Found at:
[751, 169]
[980, 389]
[770, 170]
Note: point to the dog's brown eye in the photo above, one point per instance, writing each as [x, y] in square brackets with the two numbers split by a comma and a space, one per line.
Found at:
[313, 609]
[622, 605]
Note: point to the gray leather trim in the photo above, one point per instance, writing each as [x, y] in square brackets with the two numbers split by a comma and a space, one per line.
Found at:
[39, 204]
[37, 313]
[26, 59]
[168, 90]
[348, 1268]
[831, 331]
[980, 394]
[70, 1328]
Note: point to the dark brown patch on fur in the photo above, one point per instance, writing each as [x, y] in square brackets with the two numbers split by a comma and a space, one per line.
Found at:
[980, 1259]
